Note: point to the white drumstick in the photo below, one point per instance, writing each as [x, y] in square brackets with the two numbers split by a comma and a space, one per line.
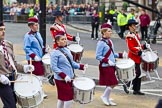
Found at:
[149, 48]
[78, 36]
[31, 71]
[19, 81]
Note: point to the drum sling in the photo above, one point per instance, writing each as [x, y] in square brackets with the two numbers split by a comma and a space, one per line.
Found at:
[67, 59]
[108, 52]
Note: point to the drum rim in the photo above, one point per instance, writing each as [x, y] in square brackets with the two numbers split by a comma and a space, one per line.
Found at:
[146, 59]
[44, 59]
[133, 64]
[38, 90]
[86, 78]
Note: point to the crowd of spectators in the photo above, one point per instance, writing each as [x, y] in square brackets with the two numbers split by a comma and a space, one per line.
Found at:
[72, 9]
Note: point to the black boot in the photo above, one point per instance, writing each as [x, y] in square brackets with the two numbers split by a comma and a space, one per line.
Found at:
[51, 80]
[154, 41]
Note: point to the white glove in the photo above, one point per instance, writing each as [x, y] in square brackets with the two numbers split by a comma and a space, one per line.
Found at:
[47, 49]
[147, 46]
[125, 55]
[143, 54]
[67, 79]
[111, 63]
[4, 80]
[28, 68]
[77, 38]
[85, 68]
[36, 58]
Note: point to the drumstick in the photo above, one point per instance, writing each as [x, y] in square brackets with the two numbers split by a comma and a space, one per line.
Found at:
[78, 36]
[149, 48]
[18, 81]
[31, 71]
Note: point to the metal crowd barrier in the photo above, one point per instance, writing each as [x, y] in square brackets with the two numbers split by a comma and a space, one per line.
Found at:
[81, 19]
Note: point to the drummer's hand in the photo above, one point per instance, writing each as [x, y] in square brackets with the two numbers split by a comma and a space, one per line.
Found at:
[77, 38]
[111, 63]
[28, 68]
[147, 45]
[125, 55]
[47, 49]
[140, 53]
[67, 79]
[4, 80]
[85, 68]
[36, 58]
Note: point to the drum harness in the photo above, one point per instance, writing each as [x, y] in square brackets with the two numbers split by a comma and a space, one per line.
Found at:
[67, 59]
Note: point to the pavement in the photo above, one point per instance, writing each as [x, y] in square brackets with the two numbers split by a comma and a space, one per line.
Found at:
[122, 99]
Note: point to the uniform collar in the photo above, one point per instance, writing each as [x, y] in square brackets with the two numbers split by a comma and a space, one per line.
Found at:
[31, 32]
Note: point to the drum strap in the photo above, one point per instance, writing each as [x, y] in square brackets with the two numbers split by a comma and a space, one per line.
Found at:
[67, 59]
[109, 44]
[108, 52]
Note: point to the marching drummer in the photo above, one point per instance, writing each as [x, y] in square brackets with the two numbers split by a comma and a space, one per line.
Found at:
[63, 65]
[8, 70]
[106, 55]
[59, 26]
[33, 46]
[135, 49]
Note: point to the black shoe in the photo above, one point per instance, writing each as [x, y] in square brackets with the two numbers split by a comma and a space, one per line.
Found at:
[138, 93]
[153, 41]
[125, 89]
[50, 79]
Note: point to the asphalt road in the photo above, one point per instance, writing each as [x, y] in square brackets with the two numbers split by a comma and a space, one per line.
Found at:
[15, 33]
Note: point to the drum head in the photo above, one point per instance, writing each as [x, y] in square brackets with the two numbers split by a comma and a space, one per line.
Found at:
[125, 63]
[75, 48]
[149, 56]
[29, 88]
[83, 83]
[46, 59]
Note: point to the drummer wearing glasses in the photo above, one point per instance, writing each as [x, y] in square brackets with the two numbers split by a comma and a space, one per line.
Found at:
[8, 70]
[63, 65]
[135, 49]
[106, 55]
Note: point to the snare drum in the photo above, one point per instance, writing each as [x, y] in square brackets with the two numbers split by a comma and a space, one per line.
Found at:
[46, 63]
[125, 69]
[83, 90]
[76, 51]
[28, 93]
[150, 61]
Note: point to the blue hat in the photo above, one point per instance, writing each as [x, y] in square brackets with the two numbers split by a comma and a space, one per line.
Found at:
[131, 21]
[57, 13]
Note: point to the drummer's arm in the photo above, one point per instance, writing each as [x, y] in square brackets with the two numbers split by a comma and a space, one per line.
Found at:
[131, 47]
[70, 38]
[118, 55]
[76, 65]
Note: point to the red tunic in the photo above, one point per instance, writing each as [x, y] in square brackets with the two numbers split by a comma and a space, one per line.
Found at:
[59, 28]
[133, 47]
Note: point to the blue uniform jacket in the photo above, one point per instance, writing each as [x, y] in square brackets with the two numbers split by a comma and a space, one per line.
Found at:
[31, 44]
[101, 49]
[59, 63]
